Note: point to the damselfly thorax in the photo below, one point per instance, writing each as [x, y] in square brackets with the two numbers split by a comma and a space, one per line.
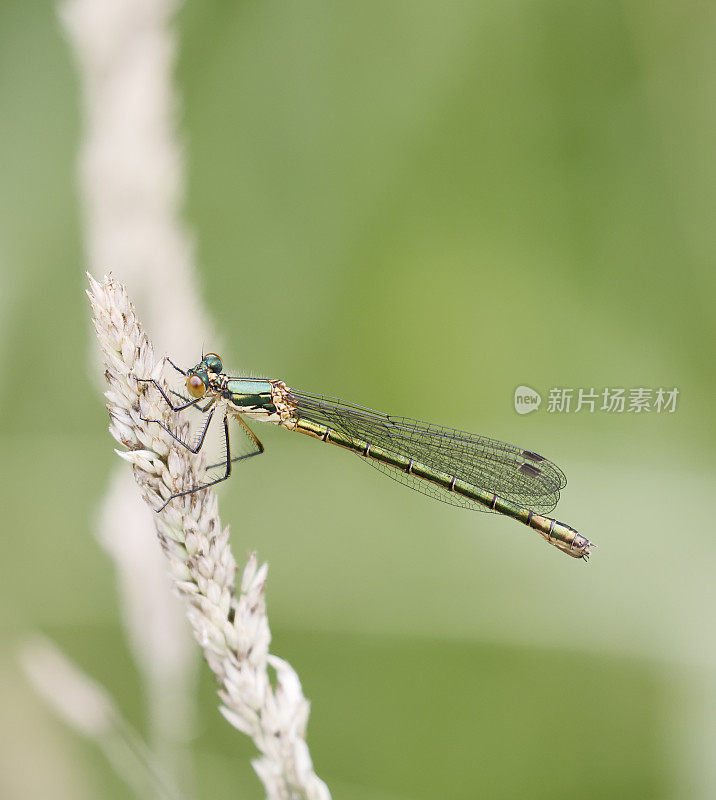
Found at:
[453, 466]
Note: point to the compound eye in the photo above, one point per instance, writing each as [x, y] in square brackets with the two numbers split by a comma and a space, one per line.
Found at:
[213, 362]
[195, 386]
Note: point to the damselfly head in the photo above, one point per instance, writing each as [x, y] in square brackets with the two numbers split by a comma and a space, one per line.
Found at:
[201, 377]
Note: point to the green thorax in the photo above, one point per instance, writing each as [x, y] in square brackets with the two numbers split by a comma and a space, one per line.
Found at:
[249, 394]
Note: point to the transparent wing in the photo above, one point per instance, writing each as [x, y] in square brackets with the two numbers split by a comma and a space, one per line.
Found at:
[520, 476]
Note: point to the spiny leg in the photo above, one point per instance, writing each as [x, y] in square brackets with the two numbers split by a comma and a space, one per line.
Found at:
[254, 438]
[178, 369]
[180, 396]
[217, 480]
[203, 409]
[187, 401]
[166, 397]
[234, 460]
[186, 404]
[192, 449]
[179, 408]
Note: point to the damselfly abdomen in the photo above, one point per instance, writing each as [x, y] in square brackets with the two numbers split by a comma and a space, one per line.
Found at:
[450, 465]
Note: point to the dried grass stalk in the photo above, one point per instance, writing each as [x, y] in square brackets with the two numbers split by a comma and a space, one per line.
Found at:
[231, 628]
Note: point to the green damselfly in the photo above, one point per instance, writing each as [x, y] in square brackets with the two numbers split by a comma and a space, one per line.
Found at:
[456, 467]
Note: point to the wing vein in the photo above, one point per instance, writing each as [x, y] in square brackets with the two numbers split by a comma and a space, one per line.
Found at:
[518, 475]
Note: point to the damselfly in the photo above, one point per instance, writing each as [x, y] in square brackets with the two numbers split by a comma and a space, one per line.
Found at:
[456, 467]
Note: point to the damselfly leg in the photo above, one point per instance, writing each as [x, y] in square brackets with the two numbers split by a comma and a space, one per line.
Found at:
[208, 483]
[255, 444]
[202, 409]
[178, 369]
[226, 463]
[166, 397]
[193, 448]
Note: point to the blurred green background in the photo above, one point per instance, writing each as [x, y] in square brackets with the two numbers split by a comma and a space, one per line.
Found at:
[418, 207]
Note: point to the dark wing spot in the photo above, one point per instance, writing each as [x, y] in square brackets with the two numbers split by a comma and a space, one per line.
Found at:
[528, 469]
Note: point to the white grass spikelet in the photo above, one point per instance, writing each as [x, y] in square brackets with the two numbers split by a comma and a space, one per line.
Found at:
[232, 629]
